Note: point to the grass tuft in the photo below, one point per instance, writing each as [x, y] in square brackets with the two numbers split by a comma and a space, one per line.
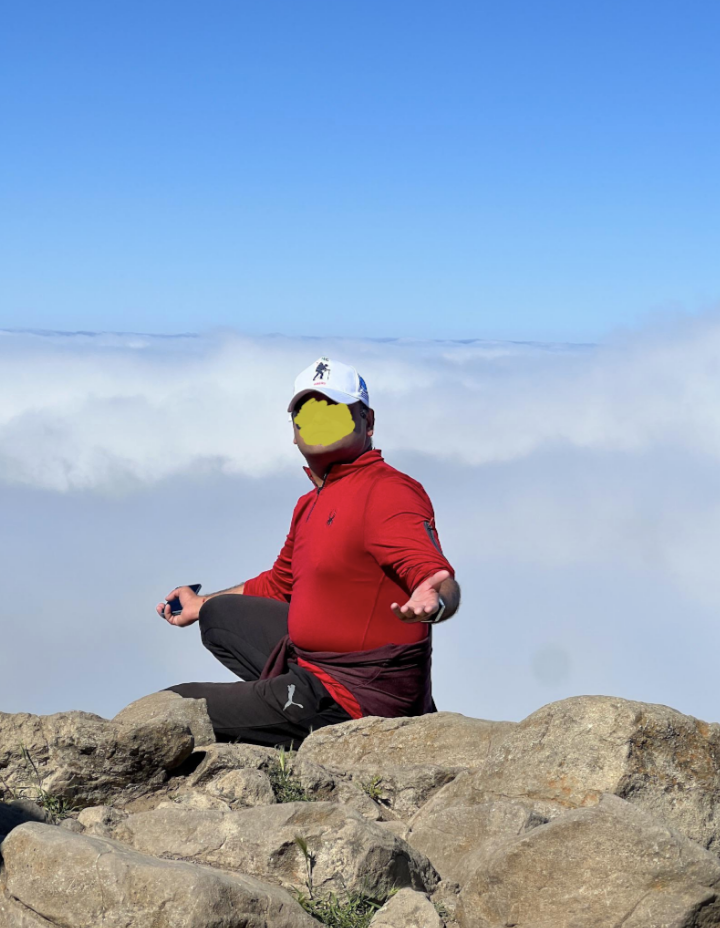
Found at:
[56, 806]
[285, 786]
[373, 788]
[355, 910]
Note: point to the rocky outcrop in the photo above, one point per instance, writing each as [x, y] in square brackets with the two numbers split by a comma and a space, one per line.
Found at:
[283, 843]
[567, 755]
[593, 812]
[593, 868]
[443, 739]
[416, 757]
[84, 759]
[168, 706]
[54, 877]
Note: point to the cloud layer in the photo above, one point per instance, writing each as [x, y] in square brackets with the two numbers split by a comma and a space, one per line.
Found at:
[576, 490]
[92, 411]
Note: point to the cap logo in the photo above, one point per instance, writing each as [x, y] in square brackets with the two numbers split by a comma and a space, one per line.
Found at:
[363, 391]
[321, 370]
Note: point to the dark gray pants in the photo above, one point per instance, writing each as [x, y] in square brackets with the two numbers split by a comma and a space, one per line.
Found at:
[241, 631]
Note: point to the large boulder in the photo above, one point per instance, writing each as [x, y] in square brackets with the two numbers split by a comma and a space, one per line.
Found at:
[567, 754]
[83, 759]
[345, 851]
[166, 705]
[54, 877]
[401, 763]
[440, 739]
[594, 868]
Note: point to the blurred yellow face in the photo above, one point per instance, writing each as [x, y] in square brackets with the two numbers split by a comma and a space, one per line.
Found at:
[323, 424]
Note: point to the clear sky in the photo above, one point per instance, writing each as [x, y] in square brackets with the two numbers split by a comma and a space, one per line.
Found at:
[460, 169]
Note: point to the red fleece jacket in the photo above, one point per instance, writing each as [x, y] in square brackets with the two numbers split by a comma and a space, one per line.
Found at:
[365, 539]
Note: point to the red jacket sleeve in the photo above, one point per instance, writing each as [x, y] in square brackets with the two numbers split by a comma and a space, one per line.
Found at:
[400, 531]
[276, 583]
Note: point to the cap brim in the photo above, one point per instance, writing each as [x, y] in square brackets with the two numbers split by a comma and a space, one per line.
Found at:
[336, 395]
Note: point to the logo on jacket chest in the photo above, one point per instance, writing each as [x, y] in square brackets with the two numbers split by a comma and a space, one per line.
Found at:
[331, 517]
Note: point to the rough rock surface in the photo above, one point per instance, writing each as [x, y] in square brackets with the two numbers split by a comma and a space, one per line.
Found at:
[217, 759]
[567, 754]
[336, 786]
[598, 867]
[407, 909]
[402, 790]
[348, 851]
[82, 758]
[15, 915]
[69, 879]
[442, 739]
[448, 835]
[168, 705]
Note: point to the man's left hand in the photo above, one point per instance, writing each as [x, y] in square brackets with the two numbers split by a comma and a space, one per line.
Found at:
[425, 600]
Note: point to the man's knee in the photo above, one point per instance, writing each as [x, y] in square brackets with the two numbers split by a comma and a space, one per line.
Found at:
[219, 611]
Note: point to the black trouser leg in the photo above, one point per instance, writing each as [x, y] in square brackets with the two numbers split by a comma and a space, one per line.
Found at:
[241, 631]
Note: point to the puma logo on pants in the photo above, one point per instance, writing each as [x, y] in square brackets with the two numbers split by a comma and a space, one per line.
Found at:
[291, 693]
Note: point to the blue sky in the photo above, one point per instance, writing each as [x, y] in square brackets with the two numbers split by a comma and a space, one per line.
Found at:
[465, 169]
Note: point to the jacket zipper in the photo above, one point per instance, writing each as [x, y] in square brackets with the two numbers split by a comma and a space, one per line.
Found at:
[317, 497]
[432, 536]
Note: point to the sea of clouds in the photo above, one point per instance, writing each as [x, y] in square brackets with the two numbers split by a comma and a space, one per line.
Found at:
[576, 488]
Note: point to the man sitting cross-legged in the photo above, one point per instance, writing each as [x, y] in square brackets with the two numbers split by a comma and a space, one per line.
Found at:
[340, 627]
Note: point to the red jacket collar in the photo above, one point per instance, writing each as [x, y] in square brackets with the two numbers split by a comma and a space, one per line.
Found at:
[338, 471]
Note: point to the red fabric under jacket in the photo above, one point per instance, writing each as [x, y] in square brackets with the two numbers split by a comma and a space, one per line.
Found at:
[363, 540]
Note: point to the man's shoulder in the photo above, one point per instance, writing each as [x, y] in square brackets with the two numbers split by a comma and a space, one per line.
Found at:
[389, 477]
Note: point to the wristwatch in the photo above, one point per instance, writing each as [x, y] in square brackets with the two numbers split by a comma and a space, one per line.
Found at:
[436, 616]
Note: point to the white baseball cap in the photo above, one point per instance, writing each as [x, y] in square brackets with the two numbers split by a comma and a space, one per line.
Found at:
[336, 380]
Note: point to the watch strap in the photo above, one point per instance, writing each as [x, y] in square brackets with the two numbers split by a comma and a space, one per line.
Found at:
[437, 615]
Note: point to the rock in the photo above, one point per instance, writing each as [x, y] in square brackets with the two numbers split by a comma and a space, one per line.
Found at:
[84, 759]
[72, 824]
[449, 835]
[164, 705]
[349, 852]
[192, 800]
[84, 882]
[441, 739]
[243, 788]
[407, 909]
[18, 811]
[403, 790]
[219, 758]
[236, 774]
[15, 915]
[100, 820]
[326, 786]
[398, 828]
[567, 754]
[445, 900]
[598, 867]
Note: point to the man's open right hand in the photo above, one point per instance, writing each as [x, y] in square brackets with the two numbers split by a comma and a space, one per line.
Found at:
[191, 604]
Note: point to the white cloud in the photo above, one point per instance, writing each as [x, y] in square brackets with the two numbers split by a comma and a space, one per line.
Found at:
[87, 412]
[576, 489]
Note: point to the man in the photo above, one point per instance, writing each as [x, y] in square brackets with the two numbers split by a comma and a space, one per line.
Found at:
[339, 627]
